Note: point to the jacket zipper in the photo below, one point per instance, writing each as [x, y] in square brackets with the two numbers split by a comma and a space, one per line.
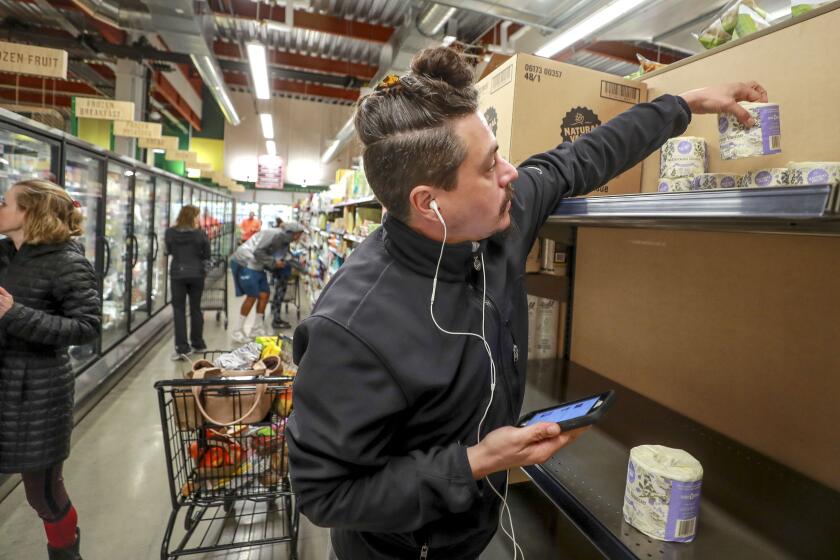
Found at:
[424, 552]
[509, 396]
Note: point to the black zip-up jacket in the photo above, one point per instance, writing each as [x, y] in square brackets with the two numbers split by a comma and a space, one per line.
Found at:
[190, 250]
[386, 404]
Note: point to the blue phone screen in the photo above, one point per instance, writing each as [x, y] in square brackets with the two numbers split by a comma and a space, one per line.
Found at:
[562, 413]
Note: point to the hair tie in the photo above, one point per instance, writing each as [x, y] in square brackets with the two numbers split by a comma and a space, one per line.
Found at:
[388, 82]
[77, 204]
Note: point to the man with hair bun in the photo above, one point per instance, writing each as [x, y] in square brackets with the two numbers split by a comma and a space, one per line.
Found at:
[402, 432]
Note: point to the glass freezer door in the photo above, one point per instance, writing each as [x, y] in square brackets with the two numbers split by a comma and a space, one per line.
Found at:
[175, 205]
[116, 247]
[83, 182]
[141, 240]
[159, 272]
[24, 157]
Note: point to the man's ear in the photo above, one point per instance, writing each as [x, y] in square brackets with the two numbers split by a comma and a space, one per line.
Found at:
[420, 201]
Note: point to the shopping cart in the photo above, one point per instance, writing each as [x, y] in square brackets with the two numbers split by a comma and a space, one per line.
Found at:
[292, 294]
[215, 296]
[230, 482]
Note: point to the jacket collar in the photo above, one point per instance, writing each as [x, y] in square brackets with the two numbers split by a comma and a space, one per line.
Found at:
[420, 254]
[27, 251]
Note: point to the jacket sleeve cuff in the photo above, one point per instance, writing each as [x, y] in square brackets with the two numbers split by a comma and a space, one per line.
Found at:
[465, 472]
[11, 315]
[684, 106]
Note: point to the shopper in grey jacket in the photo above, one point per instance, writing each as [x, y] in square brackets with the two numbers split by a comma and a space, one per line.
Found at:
[265, 250]
[402, 433]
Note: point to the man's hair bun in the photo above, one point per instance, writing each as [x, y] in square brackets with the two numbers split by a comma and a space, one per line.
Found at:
[444, 64]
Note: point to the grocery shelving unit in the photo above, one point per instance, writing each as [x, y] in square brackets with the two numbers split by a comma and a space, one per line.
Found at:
[747, 497]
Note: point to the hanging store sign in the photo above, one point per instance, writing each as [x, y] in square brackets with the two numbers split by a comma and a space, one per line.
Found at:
[37, 61]
[168, 143]
[206, 167]
[183, 155]
[107, 109]
[137, 129]
[270, 172]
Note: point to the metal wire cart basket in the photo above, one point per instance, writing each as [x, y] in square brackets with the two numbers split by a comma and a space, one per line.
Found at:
[215, 296]
[228, 476]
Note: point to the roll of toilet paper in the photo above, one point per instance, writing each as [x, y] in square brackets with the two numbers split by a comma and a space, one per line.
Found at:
[684, 156]
[662, 496]
[765, 138]
[680, 184]
[770, 177]
[713, 181]
[814, 173]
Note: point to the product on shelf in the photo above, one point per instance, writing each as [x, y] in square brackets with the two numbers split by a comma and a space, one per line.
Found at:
[713, 181]
[679, 184]
[737, 19]
[662, 495]
[646, 66]
[684, 156]
[547, 323]
[800, 7]
[814, 173]
[770, 177]
[765, 138]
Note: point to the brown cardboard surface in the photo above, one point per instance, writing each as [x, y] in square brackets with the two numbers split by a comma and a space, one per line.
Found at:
[533, 104]
[795, 65]
[737, 331]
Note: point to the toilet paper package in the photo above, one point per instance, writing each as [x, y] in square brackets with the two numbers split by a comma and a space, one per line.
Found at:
[765, 138]
[770, 177]
[680, 184]
[662, 496]
[713, 181]
[684, 156]
[814, 173]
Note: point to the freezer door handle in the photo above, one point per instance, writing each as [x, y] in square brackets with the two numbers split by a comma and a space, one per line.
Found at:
[107, 247]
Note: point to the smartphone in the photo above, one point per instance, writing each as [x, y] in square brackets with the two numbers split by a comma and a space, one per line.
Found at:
[574, 414]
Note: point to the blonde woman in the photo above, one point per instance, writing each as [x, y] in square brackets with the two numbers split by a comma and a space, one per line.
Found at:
[190, 249]
[48, 301]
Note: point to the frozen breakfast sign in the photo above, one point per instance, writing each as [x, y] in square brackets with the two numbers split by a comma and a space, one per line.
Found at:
[28, 59]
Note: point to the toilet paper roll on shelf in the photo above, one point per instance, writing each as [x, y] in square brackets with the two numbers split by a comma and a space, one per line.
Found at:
[712, 181]
[814, 173]
[680, 184]
[770, 177]
[684, 156]
[662, 495]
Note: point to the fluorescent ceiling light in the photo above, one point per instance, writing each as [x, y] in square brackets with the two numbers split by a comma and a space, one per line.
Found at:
[270, 147]
[267, 126]
[588, 26]
[259, 69]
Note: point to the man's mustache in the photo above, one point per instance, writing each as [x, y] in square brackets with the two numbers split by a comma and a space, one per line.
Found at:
[508, 198]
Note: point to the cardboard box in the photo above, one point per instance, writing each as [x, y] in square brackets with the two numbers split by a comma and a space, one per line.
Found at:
[533, 104]
[532, 263]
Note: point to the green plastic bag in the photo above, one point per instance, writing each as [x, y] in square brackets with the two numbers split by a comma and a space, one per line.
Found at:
[799, 7]
[714, 35]
[749, 21]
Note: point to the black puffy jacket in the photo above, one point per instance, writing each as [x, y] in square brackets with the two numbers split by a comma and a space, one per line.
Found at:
[386, 404]
[190, 250]
[56, 305]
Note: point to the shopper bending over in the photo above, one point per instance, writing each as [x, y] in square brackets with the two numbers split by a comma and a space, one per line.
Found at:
[190, 249]
[249, 227]
[264, 251]
[383, 440]
[48, 301]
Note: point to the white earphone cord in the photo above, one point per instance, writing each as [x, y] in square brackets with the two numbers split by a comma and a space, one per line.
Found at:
[517, 550]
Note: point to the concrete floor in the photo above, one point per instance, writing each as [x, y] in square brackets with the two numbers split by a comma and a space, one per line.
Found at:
[116, 477]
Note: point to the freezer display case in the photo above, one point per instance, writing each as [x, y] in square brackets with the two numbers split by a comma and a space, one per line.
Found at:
[142, 217]
[83, 175]
[176, 192]
[159, 258]
[116, 248]
[25, 156]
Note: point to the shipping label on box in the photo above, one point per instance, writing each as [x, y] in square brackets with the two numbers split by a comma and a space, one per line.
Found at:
[533, 104]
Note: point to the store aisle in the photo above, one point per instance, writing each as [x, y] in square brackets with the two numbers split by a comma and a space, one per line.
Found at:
[116, 474]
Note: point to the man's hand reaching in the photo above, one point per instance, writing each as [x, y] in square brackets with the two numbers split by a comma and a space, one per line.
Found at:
[725, 98]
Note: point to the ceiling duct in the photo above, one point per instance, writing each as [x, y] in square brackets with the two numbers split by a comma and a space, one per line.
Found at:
[186, 30]
[431, 20]
[111, 13]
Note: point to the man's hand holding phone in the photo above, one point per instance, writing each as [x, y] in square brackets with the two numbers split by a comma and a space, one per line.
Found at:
[509, 447]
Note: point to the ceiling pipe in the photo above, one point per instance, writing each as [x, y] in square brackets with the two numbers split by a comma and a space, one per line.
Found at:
[432, 19]
[111, 13]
